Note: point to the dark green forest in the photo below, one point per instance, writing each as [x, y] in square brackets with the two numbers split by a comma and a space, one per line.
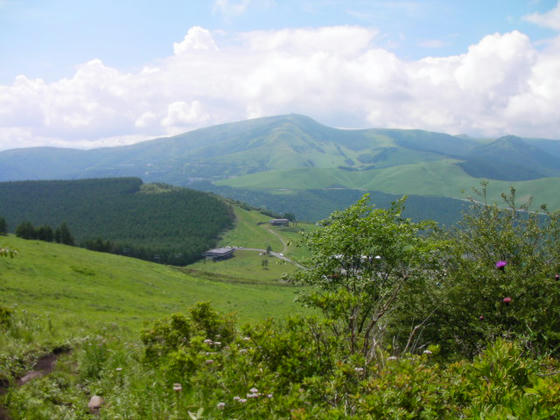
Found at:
[155, 222]
[315, 204]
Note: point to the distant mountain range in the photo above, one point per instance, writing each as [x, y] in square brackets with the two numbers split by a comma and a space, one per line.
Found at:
[290, 153]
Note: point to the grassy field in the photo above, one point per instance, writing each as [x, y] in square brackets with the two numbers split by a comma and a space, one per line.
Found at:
[75, 287]
[245, 266]
[440, 178]
[248, 233]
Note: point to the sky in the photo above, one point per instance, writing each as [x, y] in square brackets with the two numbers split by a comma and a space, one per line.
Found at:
[87, 74]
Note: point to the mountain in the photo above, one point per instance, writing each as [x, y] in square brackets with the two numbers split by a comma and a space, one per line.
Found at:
[273, 143]
[288, 153]
[510, 158]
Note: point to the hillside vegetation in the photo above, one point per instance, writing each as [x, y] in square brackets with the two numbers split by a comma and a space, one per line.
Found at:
[122, 215]
[415, 323]
[296, 152]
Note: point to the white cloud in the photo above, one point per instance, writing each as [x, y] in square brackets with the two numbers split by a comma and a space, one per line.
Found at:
[197, 38]
[228, 8]
[338, 75]
[550, 19]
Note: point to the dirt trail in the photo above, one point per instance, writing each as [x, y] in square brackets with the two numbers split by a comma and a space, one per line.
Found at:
[44, 366]
[284, 244]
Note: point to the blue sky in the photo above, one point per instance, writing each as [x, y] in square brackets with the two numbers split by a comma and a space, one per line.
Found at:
[98, 53]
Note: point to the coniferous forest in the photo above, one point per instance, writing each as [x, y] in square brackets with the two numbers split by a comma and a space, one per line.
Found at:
[154, 222]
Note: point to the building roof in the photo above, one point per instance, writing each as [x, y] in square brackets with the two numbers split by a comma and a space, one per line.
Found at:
[218, 251]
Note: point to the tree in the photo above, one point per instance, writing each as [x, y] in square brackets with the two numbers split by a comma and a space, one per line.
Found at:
[25, 230]
[3, 226]
[361, 259]
[45, 233]
[62, 235]
[290, 216]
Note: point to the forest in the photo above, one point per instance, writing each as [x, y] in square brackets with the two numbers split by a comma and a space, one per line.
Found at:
[154, 222]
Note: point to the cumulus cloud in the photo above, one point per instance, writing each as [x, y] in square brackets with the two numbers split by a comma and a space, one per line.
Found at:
[339, 75]
[550, 19]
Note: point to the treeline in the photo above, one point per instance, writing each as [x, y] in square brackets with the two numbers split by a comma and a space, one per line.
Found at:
[45, 233]
[154, 222]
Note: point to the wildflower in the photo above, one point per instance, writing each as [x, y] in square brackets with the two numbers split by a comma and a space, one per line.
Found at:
[557, 276]
[209, 361]
[242, 400]
[177, 387]
[378, 257]
[359, 369]
[392, 358]
[236, 398]
[242, 351]
[427, 352]
[481, 317]
[269, 396]
[118, 369]
[254, 390]
[217, 343]
[246, 338]
[208, 341]
[253, 395]
[220, 405]
[507, 300]
[501, 265]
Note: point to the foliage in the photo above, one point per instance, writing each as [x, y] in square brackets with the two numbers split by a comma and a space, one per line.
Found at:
[62, 235]
[281, 369]
[159, 223]
[500, 281]
[361, 260]
[315, 204]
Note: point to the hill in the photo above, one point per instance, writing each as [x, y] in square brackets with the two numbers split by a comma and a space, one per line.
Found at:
[149, 221]
[78, 287]
[297, 153]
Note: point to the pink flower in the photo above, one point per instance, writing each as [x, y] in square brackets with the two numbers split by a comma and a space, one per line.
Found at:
[177, 387]
[507, 300]
[500, 265]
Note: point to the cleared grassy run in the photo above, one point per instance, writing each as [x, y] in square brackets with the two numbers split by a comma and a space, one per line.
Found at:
[77, 287]
[246, 266]
[248, 234]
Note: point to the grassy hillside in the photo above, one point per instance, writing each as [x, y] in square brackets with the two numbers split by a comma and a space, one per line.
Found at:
[296, 152]
[76, 287]
[154, 222]
[443, 178]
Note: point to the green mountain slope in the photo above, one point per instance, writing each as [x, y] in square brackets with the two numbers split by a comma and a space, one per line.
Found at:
[512, 159]
[296, 152]
[273, 143]
[85, 287]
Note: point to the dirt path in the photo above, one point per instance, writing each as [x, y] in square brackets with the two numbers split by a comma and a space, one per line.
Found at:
[44, 366]
[284, 244]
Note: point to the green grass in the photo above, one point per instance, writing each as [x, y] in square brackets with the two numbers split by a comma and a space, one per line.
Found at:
[246, 266]
[76, 287]
[248, 233]
[441, 178]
